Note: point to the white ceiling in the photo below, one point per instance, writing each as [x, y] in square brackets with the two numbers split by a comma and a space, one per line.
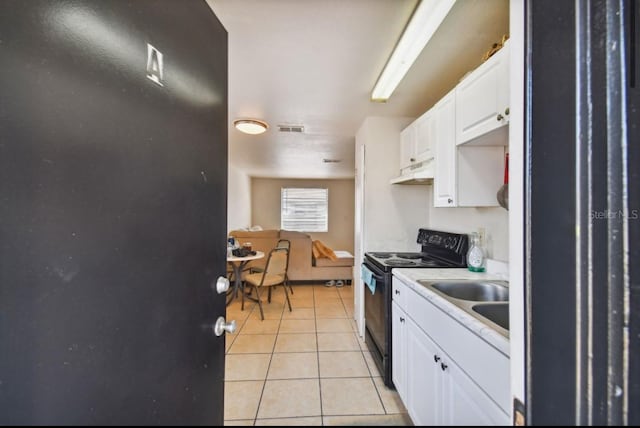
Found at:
[315, 62]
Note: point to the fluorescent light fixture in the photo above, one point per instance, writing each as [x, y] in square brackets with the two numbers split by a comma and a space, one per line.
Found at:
[250, 126]
[423, 24]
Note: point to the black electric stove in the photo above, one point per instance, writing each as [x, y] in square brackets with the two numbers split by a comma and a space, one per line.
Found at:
[439, 250]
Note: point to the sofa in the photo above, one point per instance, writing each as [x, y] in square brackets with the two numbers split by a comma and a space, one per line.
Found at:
[302, 265]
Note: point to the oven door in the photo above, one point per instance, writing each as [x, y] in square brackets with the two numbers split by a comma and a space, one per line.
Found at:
[375, 308]
[377, 319]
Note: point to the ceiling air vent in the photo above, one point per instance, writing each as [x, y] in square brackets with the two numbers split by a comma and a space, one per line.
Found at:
[291, 128]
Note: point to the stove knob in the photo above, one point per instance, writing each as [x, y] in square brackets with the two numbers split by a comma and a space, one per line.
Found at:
[448, 243]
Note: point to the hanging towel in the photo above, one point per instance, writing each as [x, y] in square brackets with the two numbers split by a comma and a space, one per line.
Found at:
[368, 278]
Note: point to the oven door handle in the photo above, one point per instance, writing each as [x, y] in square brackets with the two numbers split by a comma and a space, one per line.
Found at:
[378, 278]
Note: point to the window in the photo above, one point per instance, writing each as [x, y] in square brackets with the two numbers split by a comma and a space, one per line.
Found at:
[304, 210]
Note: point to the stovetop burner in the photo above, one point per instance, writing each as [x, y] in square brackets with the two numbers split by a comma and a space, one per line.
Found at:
[381, 255]
[410, 256]
[399, 262]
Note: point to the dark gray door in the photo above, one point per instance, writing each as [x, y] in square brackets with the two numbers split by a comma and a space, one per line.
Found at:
[112, 211]
[582, 195]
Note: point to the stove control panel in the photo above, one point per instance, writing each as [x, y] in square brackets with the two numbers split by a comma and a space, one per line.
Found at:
[443, 240]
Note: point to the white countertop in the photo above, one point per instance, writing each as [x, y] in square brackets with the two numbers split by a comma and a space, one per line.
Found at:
[411, 276]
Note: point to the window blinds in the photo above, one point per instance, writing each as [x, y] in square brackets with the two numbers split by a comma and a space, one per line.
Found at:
[304, 210]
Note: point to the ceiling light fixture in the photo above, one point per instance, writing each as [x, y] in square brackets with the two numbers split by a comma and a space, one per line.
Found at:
[423, 24]
[250, 126]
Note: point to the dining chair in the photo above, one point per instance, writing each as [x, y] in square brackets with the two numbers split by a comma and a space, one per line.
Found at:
[282, 243]
[285, 243]
[274, 273]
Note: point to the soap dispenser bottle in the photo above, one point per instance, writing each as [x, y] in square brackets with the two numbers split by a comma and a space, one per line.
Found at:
[475, 255]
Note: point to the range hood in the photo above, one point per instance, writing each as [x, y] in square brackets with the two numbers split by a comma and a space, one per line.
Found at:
[419, 174]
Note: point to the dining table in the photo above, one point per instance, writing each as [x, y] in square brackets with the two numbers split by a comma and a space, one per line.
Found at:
[238, 264]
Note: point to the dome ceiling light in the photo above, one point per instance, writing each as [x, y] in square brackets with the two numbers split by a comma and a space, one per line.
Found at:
[250, 126]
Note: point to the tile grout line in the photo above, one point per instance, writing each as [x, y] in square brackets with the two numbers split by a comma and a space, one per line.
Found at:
[370, 371]
[264, 384]
[318, 356]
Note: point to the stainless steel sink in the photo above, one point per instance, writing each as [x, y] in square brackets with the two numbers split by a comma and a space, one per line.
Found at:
[476, 291]
[494, 312]
[486, 301]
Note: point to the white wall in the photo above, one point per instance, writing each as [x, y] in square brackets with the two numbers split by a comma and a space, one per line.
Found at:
[388, 215]
[495, 222]
[238, 199]
[393, 213]
[266, 212]
[516, 202]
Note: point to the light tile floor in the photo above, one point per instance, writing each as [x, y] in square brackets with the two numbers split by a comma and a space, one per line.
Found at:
[305, 367]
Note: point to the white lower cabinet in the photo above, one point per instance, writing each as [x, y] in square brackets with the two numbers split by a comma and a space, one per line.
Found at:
[425, 384]
[435, 389]
[399, 350]
[468, 404]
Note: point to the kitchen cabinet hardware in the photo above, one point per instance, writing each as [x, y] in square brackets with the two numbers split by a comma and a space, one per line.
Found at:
[499, 117]
[401, 319]
[412, 159]
[449, 201]
[397, 291]
[436, 358]
[444, 366]
[506, 111]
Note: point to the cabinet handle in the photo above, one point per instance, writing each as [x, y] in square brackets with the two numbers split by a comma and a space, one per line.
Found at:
[506, 111]
[449, 201]
[436, 358]
[397, 291]
[401, 319]
[499, 117]
[444, 366]
[412, 159]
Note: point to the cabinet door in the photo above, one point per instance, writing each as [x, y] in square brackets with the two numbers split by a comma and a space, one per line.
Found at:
[407, 146]
[424, 382]
[504, 90]
[444, 182]
[425, 135]
[399, 350]
[479, 103]
[465, 403]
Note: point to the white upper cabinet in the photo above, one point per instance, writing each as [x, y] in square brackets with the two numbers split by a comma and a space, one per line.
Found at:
[425, 135]
[407, 146]
[444, 180]
[482, 102]
[417, 140]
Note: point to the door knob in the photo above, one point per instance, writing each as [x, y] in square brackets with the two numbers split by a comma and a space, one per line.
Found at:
[222, 326]
[222, 285]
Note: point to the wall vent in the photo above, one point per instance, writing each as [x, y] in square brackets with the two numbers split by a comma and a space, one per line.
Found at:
[291, 128]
